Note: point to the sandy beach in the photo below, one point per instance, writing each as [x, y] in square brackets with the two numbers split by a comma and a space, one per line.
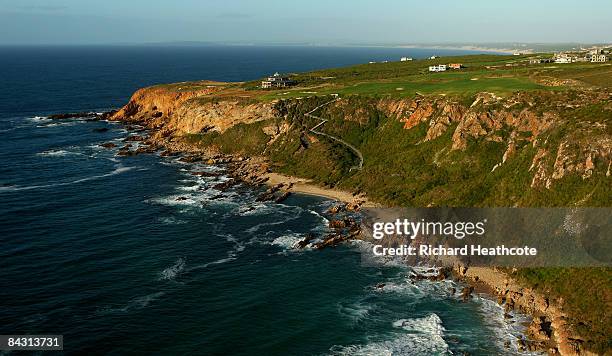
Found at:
[306, 186]
[473, 48]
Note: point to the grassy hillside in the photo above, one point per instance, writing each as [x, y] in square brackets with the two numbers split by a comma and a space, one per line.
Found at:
[502, 75]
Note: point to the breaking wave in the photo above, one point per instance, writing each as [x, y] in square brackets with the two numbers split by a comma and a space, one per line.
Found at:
[232, 254]
[421, 336]
[58, 153]
[356, 311]
[171, 272]
[505, 329]
[287, 242]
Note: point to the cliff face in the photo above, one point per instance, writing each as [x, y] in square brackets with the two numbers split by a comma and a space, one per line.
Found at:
[173, 113]
[521, 119]
[565, 135]
[194, 116]
[549, 329]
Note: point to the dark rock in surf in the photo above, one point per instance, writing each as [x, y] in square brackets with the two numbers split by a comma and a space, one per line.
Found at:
[306, 240]
[73, 115]
[108, 145]
[466, 293]
[134, 138]
[282, 197]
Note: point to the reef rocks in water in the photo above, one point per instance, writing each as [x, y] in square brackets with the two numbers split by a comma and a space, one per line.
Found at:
[83, 115]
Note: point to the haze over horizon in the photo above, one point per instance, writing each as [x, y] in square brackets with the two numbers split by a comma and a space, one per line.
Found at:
[313, 21]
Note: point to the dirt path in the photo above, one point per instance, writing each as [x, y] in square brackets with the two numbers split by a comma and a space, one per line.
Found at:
[323, 121]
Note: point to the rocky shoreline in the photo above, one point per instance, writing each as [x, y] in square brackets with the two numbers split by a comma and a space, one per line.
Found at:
[548, 332]
[250, 171]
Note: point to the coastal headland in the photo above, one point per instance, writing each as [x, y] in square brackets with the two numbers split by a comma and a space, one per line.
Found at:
[500, 131]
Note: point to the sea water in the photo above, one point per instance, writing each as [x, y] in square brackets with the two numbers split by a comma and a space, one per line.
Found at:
[99, 249]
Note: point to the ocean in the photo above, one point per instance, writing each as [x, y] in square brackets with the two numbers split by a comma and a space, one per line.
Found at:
[98, 248]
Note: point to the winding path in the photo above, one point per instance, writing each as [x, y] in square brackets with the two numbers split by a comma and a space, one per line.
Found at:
[323, 121]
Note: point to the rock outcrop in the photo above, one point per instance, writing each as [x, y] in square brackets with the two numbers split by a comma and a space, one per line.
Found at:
[549, 329]
[517, 121]
[176, 112]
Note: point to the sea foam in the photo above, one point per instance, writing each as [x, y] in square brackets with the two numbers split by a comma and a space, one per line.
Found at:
[423, 336]
[171, 272]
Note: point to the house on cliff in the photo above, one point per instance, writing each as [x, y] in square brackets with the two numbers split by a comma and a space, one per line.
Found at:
[438, 68]
[277, 81]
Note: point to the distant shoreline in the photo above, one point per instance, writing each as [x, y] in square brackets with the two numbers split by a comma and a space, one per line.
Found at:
[471, 48]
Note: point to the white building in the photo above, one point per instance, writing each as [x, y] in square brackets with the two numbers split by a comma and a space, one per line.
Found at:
[276, 81]
[564, 58]
[405, 59]
[598, 58]
[434, 57]
[438, 68]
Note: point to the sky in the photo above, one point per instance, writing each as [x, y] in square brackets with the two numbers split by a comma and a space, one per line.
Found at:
[305, 21]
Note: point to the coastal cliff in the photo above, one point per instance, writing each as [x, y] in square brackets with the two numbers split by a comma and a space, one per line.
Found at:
[526, 149]
[174, 113]
[549, 135]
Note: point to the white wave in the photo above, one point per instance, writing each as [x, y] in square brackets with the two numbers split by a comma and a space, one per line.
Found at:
[136, 303]
[72, 122]
[425, 270]
[207, 168]
[38, 119]
[58, 153]
[232, 254]
[492, 313]
[510, 329]
[256, 209]
[356, 311]
[216, 262]
[195, 198]
[170, 220]
[431, 324]
[365, 248]
[173, 200]
[171, 272]
[255, 228]
[400, 288]
[289, 241]
[12, 188]
[238, 246]
[323, 219]
[166, 162]
[189, 188]
[423, 336]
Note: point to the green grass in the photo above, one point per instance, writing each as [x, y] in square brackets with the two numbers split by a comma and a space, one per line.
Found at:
[449, 85]
[481, 73]
[247, 139]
